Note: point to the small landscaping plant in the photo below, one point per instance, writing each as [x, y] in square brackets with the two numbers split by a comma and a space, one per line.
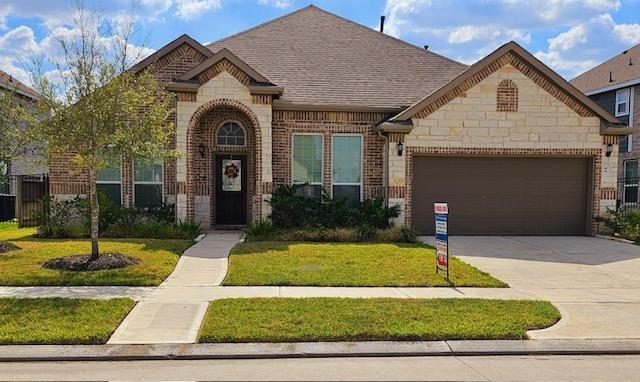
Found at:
[624, 223]
[70, 219]
[298, 218]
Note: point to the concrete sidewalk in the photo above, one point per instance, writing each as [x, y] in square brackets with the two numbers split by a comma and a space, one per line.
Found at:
[158, 319]
[95, 292]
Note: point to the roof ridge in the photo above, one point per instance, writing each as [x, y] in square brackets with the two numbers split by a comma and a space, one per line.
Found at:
[605, 62]
[261, 25]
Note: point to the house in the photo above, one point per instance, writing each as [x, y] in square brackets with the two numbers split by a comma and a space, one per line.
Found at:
[25, 162]
[615, 85]
[316, 99]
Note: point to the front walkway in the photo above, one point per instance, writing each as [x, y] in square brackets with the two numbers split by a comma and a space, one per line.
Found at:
[158, 318]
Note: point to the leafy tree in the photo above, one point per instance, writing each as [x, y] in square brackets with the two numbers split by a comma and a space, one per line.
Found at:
[101, 112]
[13, 112]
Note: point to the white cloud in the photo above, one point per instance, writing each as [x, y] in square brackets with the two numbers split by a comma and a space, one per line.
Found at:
[156, 6]
[191, 9]
[583, 32]
[588, 44]
[276, 3]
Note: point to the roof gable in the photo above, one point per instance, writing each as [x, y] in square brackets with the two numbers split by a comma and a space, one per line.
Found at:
[525, 62]
[612, 74]
[224, 60]
[323, 59]
[166, 50]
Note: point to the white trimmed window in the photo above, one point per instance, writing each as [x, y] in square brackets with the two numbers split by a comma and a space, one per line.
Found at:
[307, 163]
[109, 182]
[631, 181]
[231, 134]
[622, 102]
[346, 167]
[147, 183]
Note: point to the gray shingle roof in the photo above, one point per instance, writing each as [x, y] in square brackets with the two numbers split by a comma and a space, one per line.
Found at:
[618, 66]
[323, 59]
[11, 83]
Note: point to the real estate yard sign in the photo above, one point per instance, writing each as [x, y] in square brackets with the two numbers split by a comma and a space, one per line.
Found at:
[442, 237]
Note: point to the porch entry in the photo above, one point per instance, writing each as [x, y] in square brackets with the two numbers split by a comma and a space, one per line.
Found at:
[231, 189]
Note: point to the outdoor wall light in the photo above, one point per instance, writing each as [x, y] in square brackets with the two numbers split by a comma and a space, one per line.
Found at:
[202, 149]
[609, 150]
[400, 148]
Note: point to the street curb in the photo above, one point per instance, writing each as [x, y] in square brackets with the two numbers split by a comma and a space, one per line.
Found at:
[34, 353]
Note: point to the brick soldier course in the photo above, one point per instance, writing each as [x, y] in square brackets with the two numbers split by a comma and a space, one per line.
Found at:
[289, 76]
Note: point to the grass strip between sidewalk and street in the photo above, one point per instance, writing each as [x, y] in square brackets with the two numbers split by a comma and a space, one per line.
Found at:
[347, 264]
[354, 319]
[23, 267]
[48, 321]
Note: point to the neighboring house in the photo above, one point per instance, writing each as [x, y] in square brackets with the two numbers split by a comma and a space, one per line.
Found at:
[26, 164]
[615, 85]
[316, 99]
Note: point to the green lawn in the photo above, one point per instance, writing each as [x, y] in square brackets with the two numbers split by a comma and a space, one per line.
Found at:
[60, 320]
[349, 319]
[346, 264]
[7, 225]
[24, 267]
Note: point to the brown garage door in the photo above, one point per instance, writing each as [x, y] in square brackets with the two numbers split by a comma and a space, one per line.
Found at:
[503, 196]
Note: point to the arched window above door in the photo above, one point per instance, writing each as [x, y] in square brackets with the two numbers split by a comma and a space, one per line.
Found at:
[231, 134]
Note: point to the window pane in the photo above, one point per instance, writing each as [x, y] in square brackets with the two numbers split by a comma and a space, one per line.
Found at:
[148, 195]
[307, 159]
[231, 134]
[148, 172]
[631, 194]
[624, 144]
[312, 191]
[351, 193]
[631, 169]
[112, 191]
[347, 161]
[110, 174]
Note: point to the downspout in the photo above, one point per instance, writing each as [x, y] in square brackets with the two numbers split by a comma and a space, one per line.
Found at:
[385, 167]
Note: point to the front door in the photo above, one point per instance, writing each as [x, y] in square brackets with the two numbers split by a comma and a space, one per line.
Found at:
[231, 189]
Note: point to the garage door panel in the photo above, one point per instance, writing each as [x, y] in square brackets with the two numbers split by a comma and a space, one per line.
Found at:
[502, 196]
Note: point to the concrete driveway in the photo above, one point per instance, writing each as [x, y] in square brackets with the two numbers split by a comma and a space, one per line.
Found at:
[594, 282]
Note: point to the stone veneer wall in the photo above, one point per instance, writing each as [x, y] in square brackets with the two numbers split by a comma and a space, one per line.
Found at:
[286, 123]
[470, 125]
[222, 92]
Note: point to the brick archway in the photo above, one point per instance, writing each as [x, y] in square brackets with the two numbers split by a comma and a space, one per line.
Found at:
[255, 174]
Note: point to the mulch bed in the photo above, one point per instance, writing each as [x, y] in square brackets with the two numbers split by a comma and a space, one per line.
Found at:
[5, 246]
[82, 263]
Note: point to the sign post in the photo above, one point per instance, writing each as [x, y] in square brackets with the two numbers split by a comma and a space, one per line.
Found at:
[442, 237]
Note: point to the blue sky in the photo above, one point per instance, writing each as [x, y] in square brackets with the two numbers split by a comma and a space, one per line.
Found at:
[571, 36]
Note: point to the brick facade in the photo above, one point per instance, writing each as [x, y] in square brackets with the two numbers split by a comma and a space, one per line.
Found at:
[286, 123]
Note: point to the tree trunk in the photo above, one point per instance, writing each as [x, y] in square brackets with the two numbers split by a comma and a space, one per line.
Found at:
[95, 211]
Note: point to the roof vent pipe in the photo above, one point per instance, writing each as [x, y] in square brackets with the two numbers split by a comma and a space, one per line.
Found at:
[426, 47]
[611, 77]
[382, 24]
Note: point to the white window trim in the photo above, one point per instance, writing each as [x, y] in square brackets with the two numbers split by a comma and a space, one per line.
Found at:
[635, 184]
[628, 102]
[361, 163]
[632, 91]
[321, 182]
[114, 182]
[244, 131]
[134, 182]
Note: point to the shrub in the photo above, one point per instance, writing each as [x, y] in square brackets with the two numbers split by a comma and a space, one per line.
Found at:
[57, 217]
[260, 230]
[358, 234]
[291, 210]
[148, 230]
[623, 222]
[189, 229]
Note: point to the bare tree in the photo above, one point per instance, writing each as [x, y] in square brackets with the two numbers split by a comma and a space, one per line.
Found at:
[100, 111]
